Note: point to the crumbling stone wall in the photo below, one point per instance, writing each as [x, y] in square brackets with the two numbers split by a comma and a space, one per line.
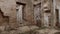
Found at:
[8, 16]
[8, 8]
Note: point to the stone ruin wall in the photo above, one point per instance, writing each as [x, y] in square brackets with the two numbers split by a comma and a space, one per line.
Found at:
[11, 18]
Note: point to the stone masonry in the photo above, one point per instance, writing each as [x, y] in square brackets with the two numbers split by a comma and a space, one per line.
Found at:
[29, 16]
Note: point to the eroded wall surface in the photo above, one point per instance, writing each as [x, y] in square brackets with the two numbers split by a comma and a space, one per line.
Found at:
[8, 8]
[30, 17]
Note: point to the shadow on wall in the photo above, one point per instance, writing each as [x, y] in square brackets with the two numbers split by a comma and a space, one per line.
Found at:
[3, 19]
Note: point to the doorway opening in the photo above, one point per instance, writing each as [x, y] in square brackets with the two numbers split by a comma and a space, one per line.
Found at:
[20, 12]
[57, 18]
[37, 14]
[47, 15]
